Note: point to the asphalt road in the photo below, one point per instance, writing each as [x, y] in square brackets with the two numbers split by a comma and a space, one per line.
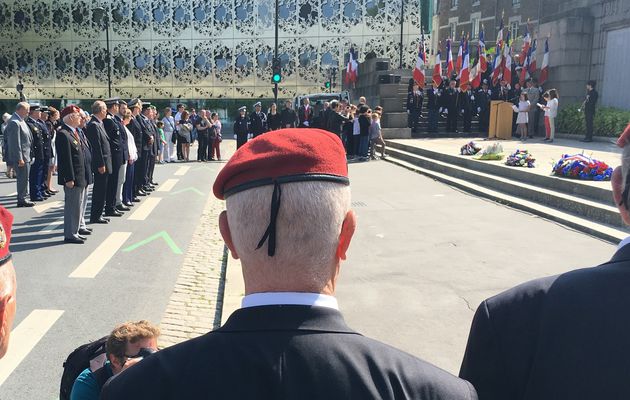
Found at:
[425, 255]
[134, 284]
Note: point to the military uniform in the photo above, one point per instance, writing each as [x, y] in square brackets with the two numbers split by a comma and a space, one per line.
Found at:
[482, 102]
[414, 109]
[241, 129]
[468, 108]
[452, 102]
[113, 130]
[434, 98]
[257, 122]
[36, 174]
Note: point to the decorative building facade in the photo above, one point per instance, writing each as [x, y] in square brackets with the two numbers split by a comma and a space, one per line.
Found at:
[588, 39]
[193, 49]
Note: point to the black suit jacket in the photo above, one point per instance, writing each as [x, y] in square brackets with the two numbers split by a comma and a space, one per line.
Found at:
[561, 337]
[136, 130]
[284, 352]
[115, 140]
[99, 143]
[123, 138]
[70, 158]
[304, 116]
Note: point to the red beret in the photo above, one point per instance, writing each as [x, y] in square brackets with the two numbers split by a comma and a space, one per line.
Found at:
[285, 155]
[6, 222]
[69, 110]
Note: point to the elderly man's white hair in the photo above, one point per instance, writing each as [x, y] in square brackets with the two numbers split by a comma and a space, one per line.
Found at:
[308, 227]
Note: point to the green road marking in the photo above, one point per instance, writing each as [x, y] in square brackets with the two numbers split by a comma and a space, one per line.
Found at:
[190, 189]
[164, 235]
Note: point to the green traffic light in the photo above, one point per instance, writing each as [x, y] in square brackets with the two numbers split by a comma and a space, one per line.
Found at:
[327, 84]
[276, 78]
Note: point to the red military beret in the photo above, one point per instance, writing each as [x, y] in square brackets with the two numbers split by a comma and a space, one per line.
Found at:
[285, 155]
[279, 157]
[69, 110]
[6, 222]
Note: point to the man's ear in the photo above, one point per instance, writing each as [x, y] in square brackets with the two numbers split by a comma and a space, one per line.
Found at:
[616, 181]
[348, 227]
[224, 228]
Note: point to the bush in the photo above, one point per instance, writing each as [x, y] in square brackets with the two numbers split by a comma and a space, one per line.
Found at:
[609, 121]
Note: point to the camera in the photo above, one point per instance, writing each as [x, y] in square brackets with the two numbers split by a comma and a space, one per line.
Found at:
[145, 352]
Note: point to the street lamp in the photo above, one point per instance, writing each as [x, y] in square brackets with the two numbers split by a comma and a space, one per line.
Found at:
[105, 18]
[20, 87]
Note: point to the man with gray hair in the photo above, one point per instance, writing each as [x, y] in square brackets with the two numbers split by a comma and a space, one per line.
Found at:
[563, 337]
[19, 142]
[289, 340]
[7, 281]
[101, 161]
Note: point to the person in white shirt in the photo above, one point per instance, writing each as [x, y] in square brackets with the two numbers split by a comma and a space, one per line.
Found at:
[522, 118]
[169, 130]
[551, 111]
[127, 197]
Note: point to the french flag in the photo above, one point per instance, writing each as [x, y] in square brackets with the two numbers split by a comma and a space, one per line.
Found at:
[525, 68]
[544, 69]
[460, 57]
[352, 69]
[465, 73]
[532, 58]
[449, 59]
[475, 75]
[498, 57]
[418, 71]
[507, 66]
[527, 42]
[483, 62]
[437, 69]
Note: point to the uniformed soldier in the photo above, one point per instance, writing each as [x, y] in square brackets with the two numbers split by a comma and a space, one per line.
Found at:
[36, 175]
[257, 121]
[114, 133]
[415, 98]
[451, 103]
[482, 102]
[136, 129]
[467, 106]
[241, 127]
[434, 96]
[155, 149]
[149, 133]
[502, 92]
[47, 135]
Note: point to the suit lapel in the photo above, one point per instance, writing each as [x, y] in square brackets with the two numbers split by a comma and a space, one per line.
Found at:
[623, 254]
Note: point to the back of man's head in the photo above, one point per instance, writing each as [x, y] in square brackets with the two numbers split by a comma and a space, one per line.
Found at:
[308, 226]
[7, 281]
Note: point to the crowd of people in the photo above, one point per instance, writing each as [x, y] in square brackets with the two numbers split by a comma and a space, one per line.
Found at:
[560, 337]
[113, 149]
[358, 126]
[448, 100]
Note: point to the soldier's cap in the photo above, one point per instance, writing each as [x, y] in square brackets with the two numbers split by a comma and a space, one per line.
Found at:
[258, 104]
[146, 105]
[43, 109]
[134, 102]
[242, 108]
[122, 102]
[6, 222]
[69, 110]
[112, 101]
[181, 105]
[34, 107]
[485, 82]
[281, 157]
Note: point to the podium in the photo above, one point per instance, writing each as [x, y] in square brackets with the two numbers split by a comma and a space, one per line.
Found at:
[500, 120]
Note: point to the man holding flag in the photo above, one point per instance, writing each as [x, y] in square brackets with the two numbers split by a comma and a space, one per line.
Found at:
[352, 69]
[449, 59]
[418, 71]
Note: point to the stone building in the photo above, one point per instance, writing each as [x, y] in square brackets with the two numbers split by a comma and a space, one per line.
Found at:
[588, 39]
[193, 49]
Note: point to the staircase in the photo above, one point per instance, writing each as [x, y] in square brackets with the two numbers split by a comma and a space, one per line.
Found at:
[582, 206]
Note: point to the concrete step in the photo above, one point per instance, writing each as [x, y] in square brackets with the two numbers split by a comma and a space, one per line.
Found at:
[601, 194]
[580, 222]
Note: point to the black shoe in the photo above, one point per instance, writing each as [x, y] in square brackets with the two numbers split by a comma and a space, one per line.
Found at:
[127, 204]
[155, 183]
[81, 237]
[122, 208]
[73, 240]
[37, 199]
[147, 189]
[136, 200]
[25, 204]
[99, 221]
[85, 231]
[141, 193]
[113, 213]
[586, 140]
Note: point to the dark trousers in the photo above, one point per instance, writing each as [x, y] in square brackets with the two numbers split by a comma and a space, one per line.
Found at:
[484, 121]
[202, 150]
[451, 120]
[241, 139]
[128, 188]
[140, 170]
[589, 116]
[150, 168]
[99, 192]
[467, 121]
[434, 113]
[414, 120]
[180, 154]
[112, 185]
[36, 179]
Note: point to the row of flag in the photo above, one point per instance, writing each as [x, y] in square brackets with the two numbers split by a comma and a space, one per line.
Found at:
[501, 68]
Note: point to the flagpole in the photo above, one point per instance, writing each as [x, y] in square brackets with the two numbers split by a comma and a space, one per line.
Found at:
[402, 25]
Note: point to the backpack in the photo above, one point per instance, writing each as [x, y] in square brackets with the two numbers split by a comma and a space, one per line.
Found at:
[90, 355]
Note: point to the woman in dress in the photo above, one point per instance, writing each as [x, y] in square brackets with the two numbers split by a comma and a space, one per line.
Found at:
[185, 134]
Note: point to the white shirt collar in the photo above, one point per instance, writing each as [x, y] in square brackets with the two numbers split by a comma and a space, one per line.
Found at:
[289, 298]
[623, 243]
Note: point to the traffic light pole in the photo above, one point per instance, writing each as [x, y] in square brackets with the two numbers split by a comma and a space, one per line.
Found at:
[275, 56]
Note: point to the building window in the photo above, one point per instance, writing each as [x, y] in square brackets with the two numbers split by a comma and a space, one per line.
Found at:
[452, 30]
[475, 27]
[436, 7]
[476, 2]
[514, 29]
[454, 3]
[515, 3]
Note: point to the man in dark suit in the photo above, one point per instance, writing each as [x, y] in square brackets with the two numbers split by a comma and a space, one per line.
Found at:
[288, 117]
[289, 340]
[257, 121]
[149, 134]
[135, 127]
[563, 337]
[36, 175]
[241, 127]
[590, 103]
[114, 134]
[305, 113]
[71, 170]
[101, 160]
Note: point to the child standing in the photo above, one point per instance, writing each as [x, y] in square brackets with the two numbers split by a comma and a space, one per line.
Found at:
[551, 111]
[161, 141]
[376, 136]
[523, 116]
